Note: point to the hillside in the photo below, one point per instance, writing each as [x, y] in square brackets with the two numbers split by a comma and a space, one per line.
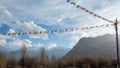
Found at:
[100, 47]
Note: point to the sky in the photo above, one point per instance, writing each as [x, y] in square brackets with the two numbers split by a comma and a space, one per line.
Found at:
[40, 15]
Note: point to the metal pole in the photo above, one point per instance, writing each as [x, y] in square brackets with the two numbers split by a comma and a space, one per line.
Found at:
[117, 44]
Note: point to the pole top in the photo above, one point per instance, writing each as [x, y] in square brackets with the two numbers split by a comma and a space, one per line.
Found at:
[116, 22]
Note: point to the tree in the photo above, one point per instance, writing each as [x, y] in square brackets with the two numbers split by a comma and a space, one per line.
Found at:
[3, 61]
[53, 62]
[43, 57]
[104, 62]
[12, 62]
[23, 53]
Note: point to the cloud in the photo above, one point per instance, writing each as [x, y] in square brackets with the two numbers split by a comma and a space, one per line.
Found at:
[73, 36]
[15, 44]
[38, 45]
[28, 41]
[11, 31]
[5, 15]
[2, 42]
[1, 36]
[57, 15]
[28, 27]
[5, 12]
[111, 12]
[51, 46]
[72, 44]
[20, 43]
[105, 10]
[60, 10]
[9, 19]
[8, 37]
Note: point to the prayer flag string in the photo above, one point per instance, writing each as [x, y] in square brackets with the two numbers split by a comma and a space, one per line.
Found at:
[55, 31]
[88, 11]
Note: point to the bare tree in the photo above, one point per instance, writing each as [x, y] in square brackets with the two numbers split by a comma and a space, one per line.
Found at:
[53, 59]
[2, 61]
[12, 61]
[23, 53]
[43, 57]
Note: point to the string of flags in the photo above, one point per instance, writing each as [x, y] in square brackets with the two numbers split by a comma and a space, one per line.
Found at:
[88, 11]
[54, 31]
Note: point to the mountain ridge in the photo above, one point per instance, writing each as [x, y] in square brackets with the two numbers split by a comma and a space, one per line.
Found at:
[100, 47]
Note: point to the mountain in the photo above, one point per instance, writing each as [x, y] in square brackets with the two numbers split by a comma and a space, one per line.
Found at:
[99, 47]
[58, 52]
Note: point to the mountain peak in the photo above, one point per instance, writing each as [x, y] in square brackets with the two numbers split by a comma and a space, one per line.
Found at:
[102, 46]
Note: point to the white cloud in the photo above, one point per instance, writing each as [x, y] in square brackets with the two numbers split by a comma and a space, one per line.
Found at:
[43, 36]
[72, 44]
[3, 42]
[15, 44]
[28, 41]
[29, 27]
[51, 46]
[75, 36]
[110, 12]
[8, 37]
[5, 15]
[7, 18]
[38, 45]
[5, 12]
[1, 36]
[60, 10]
[71, 36]
[11, 31]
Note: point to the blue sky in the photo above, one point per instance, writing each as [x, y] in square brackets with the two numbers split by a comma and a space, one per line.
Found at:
[37, 15]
